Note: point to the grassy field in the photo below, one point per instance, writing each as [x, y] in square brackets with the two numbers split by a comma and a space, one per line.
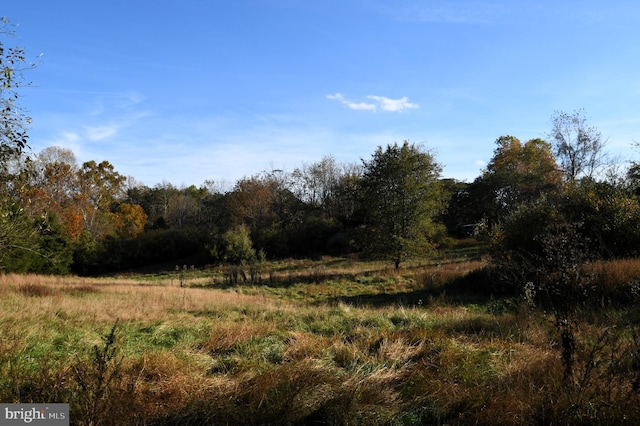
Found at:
[333, 341]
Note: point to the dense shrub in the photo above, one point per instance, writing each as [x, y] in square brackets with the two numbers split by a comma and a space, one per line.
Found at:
[48, 251]
[153, 247]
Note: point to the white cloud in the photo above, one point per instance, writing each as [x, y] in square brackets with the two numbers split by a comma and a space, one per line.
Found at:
[70, 137]
[393, 105]
[98, 133]
[381, 102]
[64, 139]
[361, 106]
[353, 105]
[337, 97]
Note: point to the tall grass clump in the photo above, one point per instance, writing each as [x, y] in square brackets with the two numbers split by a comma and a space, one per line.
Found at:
[615, 282]
[103, 392]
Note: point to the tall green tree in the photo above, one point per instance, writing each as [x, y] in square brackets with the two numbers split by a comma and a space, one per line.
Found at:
[401, 196]
[100, 187]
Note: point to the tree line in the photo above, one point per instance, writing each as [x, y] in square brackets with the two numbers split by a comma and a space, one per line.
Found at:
[91, 219]
[57, 216]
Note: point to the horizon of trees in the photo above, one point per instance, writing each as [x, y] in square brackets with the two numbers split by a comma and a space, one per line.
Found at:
[90, 219]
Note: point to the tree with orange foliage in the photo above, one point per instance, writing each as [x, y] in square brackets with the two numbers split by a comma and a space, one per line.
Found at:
[55, 188]
[266, 205]
[518, 173]
[129, 220]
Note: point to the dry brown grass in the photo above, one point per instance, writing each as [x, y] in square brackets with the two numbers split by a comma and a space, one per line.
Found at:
[103, 300]
[224, 337]
[616, 280]
[435, 278]
[251, 356]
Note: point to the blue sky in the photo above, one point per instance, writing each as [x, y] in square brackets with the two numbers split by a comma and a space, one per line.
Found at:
[190, 90]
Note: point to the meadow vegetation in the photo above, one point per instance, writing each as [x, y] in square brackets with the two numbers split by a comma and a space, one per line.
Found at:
[332, 341]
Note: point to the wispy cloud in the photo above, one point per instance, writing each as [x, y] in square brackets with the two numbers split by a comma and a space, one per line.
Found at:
[70, 137]
[380, 102]
[90, 136]
[353, 105]
[98, 133]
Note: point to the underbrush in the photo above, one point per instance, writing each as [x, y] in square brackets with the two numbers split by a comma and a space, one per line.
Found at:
[429, 344]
